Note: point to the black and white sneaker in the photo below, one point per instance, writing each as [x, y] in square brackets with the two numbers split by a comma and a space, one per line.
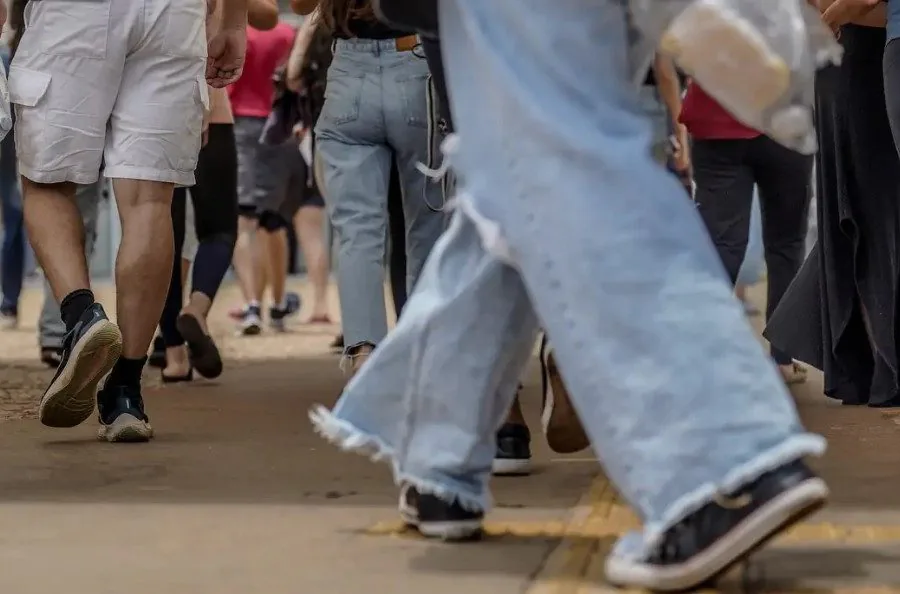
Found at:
[89, 352]
[513, 457]
[278, 315]
[251, 322]
[122, 417]
[724, 532]
[435, 518]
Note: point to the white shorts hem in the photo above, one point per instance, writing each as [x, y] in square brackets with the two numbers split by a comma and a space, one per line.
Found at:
[57, 176]
[179, 178]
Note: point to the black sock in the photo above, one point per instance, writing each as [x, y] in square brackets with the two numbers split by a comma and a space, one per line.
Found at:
[73, 305]
[127, 372]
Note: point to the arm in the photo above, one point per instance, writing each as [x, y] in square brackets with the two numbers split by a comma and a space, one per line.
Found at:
[877, 17]
[234, 14]
[670, 91]
[304, 6]
[301, 42]
[262, 14]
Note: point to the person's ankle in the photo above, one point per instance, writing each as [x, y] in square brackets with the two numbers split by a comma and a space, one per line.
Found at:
[127, 372]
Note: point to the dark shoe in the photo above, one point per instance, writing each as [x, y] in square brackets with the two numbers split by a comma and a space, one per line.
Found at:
[51, 356]
[204, 353]
[337, 344]
[278, 315]
[157, 356]
[89, 352]
[122, 417]
[251, 322]
[513, 457]
[435, 518]
[177, 379]
[9, 318]
[562, 427]
[724, 532]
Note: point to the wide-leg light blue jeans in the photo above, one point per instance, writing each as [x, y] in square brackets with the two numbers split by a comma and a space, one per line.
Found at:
[565, 220]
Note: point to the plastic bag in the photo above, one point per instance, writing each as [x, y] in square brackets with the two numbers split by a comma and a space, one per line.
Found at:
[6, 123]
[757, 58]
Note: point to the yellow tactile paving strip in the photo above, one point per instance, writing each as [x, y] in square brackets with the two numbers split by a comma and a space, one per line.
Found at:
[576, 564]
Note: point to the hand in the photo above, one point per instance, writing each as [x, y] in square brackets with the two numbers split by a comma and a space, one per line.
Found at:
[226, 57]
[299, 131]
[844, 12]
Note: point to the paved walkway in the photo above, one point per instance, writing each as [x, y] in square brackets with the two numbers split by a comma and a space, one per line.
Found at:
[237, 495]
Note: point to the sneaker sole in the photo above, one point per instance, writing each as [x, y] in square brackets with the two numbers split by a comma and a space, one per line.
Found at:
[126, 429]
[457, 531]
[70, 399]
[250, 330]
[745, 539]
[510, 467]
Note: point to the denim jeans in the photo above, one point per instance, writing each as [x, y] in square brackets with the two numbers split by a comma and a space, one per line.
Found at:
[375, 107]
[564, 217]
[51, 328]
[12, 254]
[754, 264]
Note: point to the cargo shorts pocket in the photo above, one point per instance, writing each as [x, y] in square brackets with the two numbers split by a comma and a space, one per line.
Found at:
[71, 28]
[26, 90]
[185, 29]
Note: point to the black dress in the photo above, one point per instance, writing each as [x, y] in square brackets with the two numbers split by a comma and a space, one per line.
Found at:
[850, 280]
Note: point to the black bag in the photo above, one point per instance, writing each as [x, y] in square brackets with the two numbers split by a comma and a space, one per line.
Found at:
[418, 15]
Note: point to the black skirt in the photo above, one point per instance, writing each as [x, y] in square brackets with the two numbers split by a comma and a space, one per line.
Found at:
[840, 313]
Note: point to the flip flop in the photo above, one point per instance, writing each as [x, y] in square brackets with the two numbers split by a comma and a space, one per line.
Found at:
[176, 379]
[203, 352]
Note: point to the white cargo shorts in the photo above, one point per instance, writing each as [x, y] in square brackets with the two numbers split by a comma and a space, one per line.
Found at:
[118, 81]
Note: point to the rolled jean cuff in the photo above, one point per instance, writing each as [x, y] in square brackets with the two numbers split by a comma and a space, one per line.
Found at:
[640, 545]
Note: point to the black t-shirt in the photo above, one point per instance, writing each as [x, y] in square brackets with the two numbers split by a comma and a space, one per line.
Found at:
[369, 28]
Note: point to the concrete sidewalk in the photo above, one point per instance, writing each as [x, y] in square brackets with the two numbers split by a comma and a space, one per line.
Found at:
[237, 495]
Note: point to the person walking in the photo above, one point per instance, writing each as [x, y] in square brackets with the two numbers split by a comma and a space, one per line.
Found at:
[564, 220]
[125, 84]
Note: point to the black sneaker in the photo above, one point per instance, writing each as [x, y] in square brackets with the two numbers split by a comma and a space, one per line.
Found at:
[721, 534]
[157, 357]
[278, 315]
[513, 457]
[122, 417]
[89, 352]
[435, 518]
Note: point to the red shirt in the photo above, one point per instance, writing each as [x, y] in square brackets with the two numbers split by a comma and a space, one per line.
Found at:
[251, 95]
[706, 119]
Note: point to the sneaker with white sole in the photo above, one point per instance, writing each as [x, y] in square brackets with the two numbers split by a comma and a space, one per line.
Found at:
[251, 323]
[122, 416]
[436, 518]
[89, 352]
[724, 532]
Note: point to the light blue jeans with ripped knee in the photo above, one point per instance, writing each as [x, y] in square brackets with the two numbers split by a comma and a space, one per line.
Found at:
[565, 221]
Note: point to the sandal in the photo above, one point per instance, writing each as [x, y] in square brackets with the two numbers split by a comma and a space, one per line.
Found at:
[177, 379]
[204, 353]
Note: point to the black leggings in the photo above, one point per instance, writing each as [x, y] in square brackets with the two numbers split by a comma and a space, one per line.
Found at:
[397, 230]
[725, 172]
[215, 202]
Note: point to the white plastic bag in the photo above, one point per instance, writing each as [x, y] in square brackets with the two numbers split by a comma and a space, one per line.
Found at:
[5, 108]
[757, 58]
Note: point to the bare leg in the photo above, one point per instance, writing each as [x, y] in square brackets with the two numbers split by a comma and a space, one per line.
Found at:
[309, 224]
[59, 247]
[259, 253]
[177, 362]
[277, 263]
[144, 261]
[243, 257]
